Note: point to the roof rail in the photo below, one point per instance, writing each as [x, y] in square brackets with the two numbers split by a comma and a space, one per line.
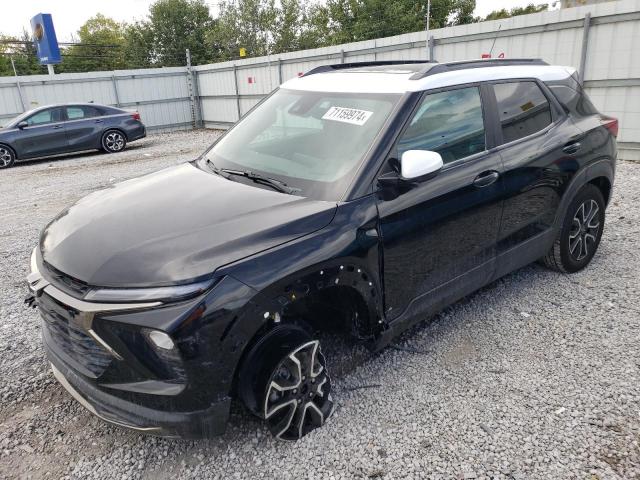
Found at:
[434, 68]
[344, 66]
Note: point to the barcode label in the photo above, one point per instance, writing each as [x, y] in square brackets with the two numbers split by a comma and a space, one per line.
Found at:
[347, 115]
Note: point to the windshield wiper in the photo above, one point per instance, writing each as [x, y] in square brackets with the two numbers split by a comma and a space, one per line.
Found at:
[256, 177]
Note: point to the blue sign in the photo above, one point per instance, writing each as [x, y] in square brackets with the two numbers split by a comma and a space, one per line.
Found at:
[45, 37]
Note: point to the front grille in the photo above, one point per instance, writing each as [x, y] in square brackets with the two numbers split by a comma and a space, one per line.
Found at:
[64, 282]
[70, 338]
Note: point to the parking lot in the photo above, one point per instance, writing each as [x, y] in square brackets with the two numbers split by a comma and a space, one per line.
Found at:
[535, 376]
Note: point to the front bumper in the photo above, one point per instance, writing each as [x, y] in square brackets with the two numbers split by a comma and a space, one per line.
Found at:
[108, 382]
[198, 424]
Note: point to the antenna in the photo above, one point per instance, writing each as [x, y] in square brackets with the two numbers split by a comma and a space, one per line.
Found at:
[494, 40]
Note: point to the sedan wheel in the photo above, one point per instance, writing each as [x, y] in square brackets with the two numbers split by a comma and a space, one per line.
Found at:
[7, 158]
[113, 141]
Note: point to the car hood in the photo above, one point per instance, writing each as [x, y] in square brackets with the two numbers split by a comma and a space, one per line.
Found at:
[173, 226]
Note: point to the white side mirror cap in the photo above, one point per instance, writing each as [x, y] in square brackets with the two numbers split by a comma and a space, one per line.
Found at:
[418, 163]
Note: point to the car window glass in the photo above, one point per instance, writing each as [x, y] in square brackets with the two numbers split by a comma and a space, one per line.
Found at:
[77, 113]
[523, 109]
[44, 117]
[449, 123]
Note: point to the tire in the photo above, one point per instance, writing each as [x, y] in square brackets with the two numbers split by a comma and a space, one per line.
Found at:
[7, 157]
[579, 237]
[113, 141]
[284, 381]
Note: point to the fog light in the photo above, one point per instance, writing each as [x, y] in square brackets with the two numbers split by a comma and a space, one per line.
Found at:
[160, 339]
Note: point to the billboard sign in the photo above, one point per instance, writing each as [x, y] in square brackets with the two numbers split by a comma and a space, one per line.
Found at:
[44, 36]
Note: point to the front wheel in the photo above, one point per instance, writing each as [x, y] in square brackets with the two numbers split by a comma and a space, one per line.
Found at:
[287, 384]
[7, 157]
[579, 238]
[113, 141]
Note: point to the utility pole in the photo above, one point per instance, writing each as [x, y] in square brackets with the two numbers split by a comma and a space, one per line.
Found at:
[426, 21]
[24, 108]
[192, 99]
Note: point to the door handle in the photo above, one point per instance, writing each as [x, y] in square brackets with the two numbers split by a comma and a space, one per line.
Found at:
[57, 127]
[98, 121]
[571, 147]
[486, 178]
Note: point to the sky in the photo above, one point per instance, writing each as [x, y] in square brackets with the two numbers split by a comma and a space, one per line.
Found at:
[69, 15]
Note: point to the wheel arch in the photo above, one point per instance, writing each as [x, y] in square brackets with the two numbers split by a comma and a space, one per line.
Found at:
[10, 147]
[600, 173]
[341, 296]
[605, 187]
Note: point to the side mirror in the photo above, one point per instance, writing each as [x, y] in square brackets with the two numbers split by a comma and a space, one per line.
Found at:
[415, 166]
[420, 165]
[22, 125]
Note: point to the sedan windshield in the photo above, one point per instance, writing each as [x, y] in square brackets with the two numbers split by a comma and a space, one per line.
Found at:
[311, 141]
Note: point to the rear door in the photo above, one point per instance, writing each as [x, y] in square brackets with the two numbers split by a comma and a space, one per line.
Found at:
[44, 134]
[84, 126]
[539, 145]
[439, 236]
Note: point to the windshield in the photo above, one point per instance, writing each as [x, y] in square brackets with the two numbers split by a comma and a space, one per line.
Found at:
[312, 141]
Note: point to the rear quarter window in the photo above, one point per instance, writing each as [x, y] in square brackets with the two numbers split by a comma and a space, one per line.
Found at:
[523, 109]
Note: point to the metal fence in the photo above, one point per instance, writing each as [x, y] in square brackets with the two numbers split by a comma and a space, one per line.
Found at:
[602, 41]
[160, 95]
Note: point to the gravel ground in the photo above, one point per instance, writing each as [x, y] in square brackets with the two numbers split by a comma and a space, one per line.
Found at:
[536, 376]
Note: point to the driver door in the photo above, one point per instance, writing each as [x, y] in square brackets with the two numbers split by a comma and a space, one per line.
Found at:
[45, 134]
[439, 236]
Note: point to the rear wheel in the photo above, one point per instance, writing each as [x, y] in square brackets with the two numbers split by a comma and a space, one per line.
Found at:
[581, 232]
[113, 141]
[284, 380]
[7, 157]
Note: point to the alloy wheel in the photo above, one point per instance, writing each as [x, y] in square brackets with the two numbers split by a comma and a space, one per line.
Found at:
[584, 230]
[298, 397]
[6, 158]
[114, 141]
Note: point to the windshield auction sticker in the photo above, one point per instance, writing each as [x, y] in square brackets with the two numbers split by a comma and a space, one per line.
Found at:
[347, 115]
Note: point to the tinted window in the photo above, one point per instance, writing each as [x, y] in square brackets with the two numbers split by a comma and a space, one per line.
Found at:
[76, 113]
[45, 116]
[523, 109]
[449, 123]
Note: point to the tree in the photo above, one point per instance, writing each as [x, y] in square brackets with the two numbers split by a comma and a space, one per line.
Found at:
[247, 24]
[138, 45]
[176, 25]
[24, 55]
[503, 13]
[101, 47]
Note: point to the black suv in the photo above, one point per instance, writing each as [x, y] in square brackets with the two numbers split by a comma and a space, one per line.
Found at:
[363, 197]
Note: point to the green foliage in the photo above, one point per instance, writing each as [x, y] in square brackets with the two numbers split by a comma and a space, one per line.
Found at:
[262, 27]
[24, 56]
[503, 13]
[176, 25]
[102, 47]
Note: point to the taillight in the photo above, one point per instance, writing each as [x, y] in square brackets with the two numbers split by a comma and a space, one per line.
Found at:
[610, 124]
[135, 116]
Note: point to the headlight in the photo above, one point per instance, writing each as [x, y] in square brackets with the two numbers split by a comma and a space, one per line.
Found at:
[34, 260]
[177, 292]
